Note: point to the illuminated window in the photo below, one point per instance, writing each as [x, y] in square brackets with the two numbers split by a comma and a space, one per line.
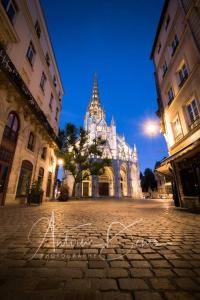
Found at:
[193, 111]
[177, 128]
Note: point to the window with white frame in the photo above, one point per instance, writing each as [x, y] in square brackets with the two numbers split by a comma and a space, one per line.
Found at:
[182, 74]
[177, 130]
[174, 44]
[170, 95]
[31, 54]
[11, 9]
[193, 110]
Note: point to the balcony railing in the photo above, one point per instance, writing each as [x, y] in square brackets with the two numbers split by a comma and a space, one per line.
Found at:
[8, 67]
[195, 123]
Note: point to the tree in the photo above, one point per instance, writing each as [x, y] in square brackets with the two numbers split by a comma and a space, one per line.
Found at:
[148, 181]
[81, 158]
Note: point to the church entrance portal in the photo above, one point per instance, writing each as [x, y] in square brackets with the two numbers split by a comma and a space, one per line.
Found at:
[86, 189]
[103, 189]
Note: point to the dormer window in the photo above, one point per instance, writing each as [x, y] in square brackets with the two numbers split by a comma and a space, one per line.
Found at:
[37, 29]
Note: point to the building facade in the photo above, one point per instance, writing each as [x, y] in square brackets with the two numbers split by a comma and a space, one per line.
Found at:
[164, 183]
[176, 57]
[121, 179]
[30, 101]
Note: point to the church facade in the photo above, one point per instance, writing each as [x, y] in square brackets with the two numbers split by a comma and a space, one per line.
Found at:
[121, 179]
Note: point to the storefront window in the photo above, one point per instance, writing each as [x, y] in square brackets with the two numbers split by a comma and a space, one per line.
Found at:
[24, 178]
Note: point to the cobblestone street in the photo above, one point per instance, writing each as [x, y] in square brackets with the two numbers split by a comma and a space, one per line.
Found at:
[82, 250]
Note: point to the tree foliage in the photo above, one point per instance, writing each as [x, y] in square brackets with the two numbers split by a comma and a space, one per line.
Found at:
[81, 158]
[148, 181]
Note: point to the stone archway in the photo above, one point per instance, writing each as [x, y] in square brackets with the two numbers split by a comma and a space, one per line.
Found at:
[123, 180]
[24, 178]
[7, 151]
[106, 183]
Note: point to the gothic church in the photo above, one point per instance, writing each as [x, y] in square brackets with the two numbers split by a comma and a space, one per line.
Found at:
[121, 179]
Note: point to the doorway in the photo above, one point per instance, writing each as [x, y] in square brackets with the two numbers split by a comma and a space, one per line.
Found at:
[103, 189]
[7, 151]
[86, 189]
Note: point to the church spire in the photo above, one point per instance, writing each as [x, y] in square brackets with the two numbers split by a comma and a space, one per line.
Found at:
[95, 90]
[95, 109]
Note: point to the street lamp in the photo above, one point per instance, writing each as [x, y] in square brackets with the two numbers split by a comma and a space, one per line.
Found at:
[151, 128]
[60, 162]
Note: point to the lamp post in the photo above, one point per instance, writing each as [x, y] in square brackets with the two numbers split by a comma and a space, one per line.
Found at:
[151, 128]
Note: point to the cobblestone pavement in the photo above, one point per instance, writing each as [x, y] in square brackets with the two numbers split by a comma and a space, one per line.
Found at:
[144, 249]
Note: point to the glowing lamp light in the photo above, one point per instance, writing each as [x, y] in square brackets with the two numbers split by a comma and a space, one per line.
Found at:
[60, 162]
[151, 128]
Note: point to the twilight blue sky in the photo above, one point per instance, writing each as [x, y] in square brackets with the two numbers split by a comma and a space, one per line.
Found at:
[112, 38]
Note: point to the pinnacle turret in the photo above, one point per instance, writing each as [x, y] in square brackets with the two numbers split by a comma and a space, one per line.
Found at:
[112, 121]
